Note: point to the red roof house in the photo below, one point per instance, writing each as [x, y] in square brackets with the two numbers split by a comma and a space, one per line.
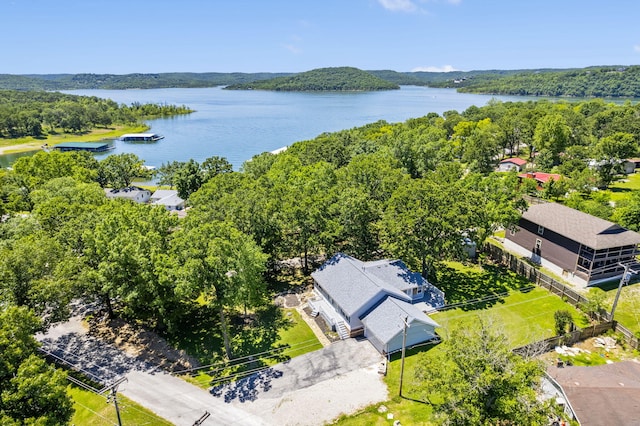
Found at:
[540, 177]
[509, 164]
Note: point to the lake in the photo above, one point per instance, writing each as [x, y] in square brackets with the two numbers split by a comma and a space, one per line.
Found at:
[240, 124]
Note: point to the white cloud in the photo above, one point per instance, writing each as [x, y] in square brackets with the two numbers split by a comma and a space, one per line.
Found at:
[637, 48]
[398, 5]
[292, 48]
[444, 68]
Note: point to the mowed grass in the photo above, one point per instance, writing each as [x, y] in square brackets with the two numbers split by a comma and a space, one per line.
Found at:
[294, 340]
[30, 143]
[523, 316]
[628, 308]
[299, 338]
[621, 189]
[92, 409]
[522, 312]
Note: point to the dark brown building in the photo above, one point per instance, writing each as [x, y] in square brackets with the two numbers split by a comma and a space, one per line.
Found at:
[580, 247]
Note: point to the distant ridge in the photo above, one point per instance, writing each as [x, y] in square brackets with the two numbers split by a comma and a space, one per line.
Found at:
[341, 79]
[598, 81]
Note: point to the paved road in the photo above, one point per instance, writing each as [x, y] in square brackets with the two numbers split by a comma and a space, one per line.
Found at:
[308, 390]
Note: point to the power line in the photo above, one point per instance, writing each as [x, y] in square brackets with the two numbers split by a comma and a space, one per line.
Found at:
[305, 342]
[95, 412]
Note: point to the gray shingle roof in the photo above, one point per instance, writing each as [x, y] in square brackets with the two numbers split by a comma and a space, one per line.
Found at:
[581, 227]
[606, 394]
[351, 284]
[386, 320]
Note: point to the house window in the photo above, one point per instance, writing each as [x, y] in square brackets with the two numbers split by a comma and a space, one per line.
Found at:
[540, 230]
[538, 246]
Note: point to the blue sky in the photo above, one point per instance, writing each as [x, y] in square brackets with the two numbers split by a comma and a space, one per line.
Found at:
[120, 37]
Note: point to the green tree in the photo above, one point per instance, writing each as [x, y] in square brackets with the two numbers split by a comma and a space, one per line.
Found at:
[223, 266]
[595, 304]
[552, 133]
[120, 255]
[31, 392]
[611, 151]
[475, 379]
[37, 394]
[119, 170]
[188, 179]
[33, 274]
[424, 222]
[563, 321]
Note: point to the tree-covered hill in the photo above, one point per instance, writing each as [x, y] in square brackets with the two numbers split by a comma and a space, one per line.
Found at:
[127, 81]
[613, 81]
[322, 79]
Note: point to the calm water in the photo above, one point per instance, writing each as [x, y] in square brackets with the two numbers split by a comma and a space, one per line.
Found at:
[240, 124]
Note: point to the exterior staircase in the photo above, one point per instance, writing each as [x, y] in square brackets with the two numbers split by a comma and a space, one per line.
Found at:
[342, 330]
[315, 312]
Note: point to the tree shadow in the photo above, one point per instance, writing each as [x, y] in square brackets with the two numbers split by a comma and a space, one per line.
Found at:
[488, 285]
[248, 388]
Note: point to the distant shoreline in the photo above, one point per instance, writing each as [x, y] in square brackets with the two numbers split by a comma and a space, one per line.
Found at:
[94, 136]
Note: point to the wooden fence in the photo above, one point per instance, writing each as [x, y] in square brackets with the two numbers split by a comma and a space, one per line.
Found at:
[568, 339]
[535, 275]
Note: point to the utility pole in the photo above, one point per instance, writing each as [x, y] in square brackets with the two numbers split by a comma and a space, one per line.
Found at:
[404, 345]
[113, 389]
[626, 276]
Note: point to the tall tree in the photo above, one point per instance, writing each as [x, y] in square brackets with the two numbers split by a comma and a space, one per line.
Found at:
[223, 266]
[119, 170]
[610, 153]
[552, 133]
[425, 222]
[475, 379]
[31, 392]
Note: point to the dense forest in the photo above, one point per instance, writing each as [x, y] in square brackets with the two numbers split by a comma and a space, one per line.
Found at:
[621, 82]
[414, 190]
[38, 113]
[323, 79]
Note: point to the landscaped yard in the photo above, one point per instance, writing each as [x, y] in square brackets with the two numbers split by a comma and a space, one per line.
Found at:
[525, 314]
[95, 410]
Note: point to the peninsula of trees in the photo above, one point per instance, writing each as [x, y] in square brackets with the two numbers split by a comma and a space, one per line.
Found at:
[342, 79]
[38, 113]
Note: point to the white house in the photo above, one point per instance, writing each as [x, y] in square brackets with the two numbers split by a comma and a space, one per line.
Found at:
[168, 198]
[133, 193]
[509, 164]
[375, 299]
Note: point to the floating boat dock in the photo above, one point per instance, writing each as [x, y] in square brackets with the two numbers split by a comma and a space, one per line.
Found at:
[141, 137]
[83, 146]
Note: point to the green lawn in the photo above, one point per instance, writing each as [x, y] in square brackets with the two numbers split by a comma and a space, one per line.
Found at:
[92, 136]
[299, 338]
[525, 314]
[295, 338]
[92, 409]
[619, 190]
[628, 308]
